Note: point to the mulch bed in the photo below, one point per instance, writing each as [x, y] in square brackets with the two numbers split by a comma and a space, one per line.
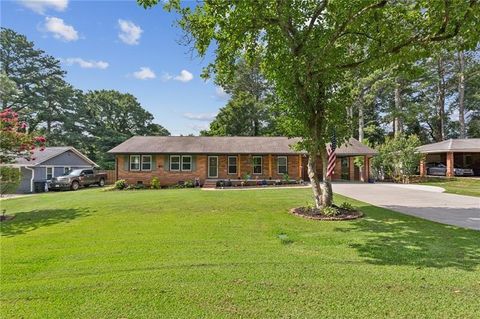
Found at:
[4, 218]
[315, 213]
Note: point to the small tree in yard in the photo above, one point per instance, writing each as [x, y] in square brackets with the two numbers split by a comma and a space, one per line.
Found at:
[398, 158]
[14, 143]
[313, 51]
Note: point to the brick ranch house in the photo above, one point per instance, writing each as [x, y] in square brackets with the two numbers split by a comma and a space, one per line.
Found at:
[180, 158]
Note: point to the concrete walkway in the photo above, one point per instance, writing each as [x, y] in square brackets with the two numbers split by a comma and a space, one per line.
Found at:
[426, 202]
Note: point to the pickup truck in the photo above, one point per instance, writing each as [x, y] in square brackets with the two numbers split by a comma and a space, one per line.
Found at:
[77, 178]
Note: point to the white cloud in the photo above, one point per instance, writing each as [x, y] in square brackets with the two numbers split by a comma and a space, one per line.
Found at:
[60, 30]
[184, 76]
[129, 32]
[200, 116]
[41, 6]
[221, 94]
[87, 64]
[144, 74]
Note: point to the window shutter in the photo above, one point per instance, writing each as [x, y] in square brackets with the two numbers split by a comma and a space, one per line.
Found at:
[154, 162]
[166, 163]
[126, 162]
[194, 163]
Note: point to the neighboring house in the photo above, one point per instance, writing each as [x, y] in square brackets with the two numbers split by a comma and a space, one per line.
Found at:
[51, 162]
[461, 153]
[180, 158]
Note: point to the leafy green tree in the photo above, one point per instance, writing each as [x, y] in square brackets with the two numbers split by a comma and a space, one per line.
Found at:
[398, 158]
[243, 115]
[109, 118]
[251, 110]
[38, 77]
[309, 50]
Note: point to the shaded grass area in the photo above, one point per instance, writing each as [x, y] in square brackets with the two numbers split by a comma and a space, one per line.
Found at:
[461, 186]
[191, 253]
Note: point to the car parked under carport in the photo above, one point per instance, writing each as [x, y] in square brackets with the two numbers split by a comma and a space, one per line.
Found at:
[459, 156]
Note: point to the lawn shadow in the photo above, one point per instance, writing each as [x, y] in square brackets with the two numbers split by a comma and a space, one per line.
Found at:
[25, 222]
[391, 238]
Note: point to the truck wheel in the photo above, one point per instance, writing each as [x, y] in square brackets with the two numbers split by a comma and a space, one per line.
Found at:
[101, 183]
[75, 186]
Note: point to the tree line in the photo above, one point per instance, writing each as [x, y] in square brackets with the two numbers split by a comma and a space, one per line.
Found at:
[33, 85]
[434, 98]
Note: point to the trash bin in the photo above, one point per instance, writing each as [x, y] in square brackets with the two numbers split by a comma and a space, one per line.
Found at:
[40, 186]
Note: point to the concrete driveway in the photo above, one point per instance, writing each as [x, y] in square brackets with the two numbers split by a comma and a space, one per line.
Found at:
[426, 202]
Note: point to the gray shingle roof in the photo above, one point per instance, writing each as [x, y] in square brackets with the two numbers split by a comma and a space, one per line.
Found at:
[38, 157]
[452, 145]
[223, 145]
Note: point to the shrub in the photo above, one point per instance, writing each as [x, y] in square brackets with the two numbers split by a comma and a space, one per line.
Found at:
[189, 184]
[347, 206]
[9, 179]
[397, 158]
[121, 184]
[155, 183]
[330, 211]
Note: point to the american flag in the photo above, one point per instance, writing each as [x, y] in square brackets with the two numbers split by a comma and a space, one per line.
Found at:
[332, 156]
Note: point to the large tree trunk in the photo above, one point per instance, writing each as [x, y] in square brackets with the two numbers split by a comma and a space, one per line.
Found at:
[361, 118]
[397, 122]
[440, 134]
[361, 124]
[461, 93]
[327, 193]
[312, 174]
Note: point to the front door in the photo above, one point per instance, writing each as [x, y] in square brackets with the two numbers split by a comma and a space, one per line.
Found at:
[212, 166]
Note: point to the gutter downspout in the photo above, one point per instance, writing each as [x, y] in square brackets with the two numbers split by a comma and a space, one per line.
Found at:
[31, 180]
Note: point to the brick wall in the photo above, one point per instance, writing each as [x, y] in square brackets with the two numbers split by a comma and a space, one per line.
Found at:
[167, 177]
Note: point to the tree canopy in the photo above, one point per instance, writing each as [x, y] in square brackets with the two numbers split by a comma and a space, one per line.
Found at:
[313, 50]
[252, 109]
[33, 86]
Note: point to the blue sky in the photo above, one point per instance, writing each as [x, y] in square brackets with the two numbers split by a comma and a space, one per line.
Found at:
[119, 45]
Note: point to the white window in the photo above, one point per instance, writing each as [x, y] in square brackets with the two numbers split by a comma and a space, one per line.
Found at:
[186, 163]
[232, 165]
[146, 162]
[175, 162]
[282, 165]
[257, 165]
[49, 173]
[134, 162]
[66, 170]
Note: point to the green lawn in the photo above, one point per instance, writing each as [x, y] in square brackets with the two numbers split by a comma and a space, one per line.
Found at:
[461, 186]
[228, 254]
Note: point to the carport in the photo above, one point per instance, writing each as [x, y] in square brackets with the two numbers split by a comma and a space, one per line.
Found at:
[463, 153]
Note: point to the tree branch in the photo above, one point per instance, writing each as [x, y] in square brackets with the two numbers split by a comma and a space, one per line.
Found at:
[318, 11]
[440, 35]
[352, 18]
